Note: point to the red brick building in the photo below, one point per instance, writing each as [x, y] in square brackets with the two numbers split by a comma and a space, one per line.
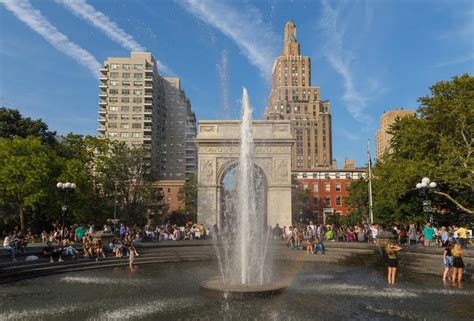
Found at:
[328, 190]
[171, 188]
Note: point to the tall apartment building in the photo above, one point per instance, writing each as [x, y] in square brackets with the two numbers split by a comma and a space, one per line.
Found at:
[293, 98]
[139, 107]
[176, 144]
[382, 137]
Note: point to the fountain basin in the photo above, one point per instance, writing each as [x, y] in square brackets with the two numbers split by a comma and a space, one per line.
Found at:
[216, 288]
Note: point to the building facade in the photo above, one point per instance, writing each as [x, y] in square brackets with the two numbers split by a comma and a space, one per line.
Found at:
[171, 189]
[327, 191]
[139, 107]
[382, 137]
[293, 98]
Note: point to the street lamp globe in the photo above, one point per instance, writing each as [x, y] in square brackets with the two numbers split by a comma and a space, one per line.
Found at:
[425, 180]
[73, 185]
[59, 185]
[67, 185]
[424, 184]
[433, 185]
[418, 185]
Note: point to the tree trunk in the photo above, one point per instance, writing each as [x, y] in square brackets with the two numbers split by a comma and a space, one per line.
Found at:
[22, 219]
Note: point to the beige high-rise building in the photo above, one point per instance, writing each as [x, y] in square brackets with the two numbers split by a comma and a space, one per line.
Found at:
[130, 101]
[293, 98]
[382, 137]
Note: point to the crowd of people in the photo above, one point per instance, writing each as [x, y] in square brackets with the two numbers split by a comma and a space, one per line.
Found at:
[428, 235]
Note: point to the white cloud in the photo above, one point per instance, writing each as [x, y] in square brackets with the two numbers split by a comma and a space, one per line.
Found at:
[85, 11]
[340, 59]
[257, 42]
[24, 11]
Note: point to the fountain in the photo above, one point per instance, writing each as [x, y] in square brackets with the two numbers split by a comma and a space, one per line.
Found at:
[243, 254]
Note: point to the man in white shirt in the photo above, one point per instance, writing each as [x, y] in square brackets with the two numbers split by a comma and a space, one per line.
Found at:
[7, 245]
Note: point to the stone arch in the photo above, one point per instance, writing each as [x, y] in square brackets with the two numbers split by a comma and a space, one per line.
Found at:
[218, 149]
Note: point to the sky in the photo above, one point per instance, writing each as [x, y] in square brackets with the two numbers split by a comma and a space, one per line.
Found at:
[367, 56]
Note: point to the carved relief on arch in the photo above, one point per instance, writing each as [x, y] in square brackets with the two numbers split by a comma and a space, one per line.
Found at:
[266, 164]
[223, 162]
[207, 170]
[282, 170]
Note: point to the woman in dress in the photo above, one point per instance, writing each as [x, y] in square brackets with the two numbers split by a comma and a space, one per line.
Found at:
[458, 264]
[391, 250]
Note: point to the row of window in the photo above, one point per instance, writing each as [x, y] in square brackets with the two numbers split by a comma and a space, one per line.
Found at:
[135, 100]
[125, 108]
[126, 91]
[125, 125]
[126, 75]
[124, 134]
[115, 83]
[125, 117]
[127, 66]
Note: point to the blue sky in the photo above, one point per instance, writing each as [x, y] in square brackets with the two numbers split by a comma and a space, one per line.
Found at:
[367, 56]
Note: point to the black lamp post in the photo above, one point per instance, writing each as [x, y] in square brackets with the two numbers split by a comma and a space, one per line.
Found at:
[425, 187]
[65, 188]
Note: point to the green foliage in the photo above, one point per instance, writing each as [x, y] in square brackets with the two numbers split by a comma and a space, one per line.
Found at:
[299, 202]
[26, 167]
[12, 124]
[438, 143]
[188, 196]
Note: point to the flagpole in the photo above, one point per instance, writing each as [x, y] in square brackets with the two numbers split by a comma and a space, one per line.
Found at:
[371, 213]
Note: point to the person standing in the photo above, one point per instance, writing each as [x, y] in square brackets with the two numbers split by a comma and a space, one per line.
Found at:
[412, 234]
[391, 250]
[444, 237]
[428, 233]
[8, 245]
[458, 264]
[447, 262]
[462, 234]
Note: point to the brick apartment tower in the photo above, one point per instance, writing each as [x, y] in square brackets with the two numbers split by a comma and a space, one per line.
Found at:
[293, 98]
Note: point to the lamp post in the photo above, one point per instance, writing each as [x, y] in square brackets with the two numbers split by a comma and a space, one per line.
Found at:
[425, 186]
[65, 188]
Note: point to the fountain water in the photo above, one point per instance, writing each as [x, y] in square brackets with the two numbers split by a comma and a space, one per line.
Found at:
[243, 255]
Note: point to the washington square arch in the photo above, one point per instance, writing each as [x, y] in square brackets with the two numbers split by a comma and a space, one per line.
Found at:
[219, 148]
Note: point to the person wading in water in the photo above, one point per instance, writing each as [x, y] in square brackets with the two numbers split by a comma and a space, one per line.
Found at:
[391, 250]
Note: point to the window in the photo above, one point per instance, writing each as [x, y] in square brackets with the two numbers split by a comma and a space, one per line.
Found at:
[124, 125]
[114, 66]
[114, 74]
[137, 100]
[112, 134]
[136, 135]
[113, 108]
[327, 201]
[338, 200]
[338, 187]
[124, 135]
[136, 117]
[126, 75]
[113, 99]
[137, 108]
[305, 186]
[113, 91]
[138, 67]
[125, 100]
[113, 116]
[124, 116]
[315, 188]
[126, 83]
[326, 175]
[138, 83]
[112, 125]
[114, 83]
[126, 66]
[328, 187]
[137, 125]
[125, 91]
[138, 75]
[137, 92]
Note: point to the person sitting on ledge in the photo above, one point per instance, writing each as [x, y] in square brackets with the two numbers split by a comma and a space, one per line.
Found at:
[99, 250]
[310, 246]
[318, 245]
[52, 253]
[69, 250]
[8, 245]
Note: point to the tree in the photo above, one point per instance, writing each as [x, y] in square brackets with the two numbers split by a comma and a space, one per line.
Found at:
[12, 124]
[188, 196]
[25, 174]
[358, 200]
[299, 201]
